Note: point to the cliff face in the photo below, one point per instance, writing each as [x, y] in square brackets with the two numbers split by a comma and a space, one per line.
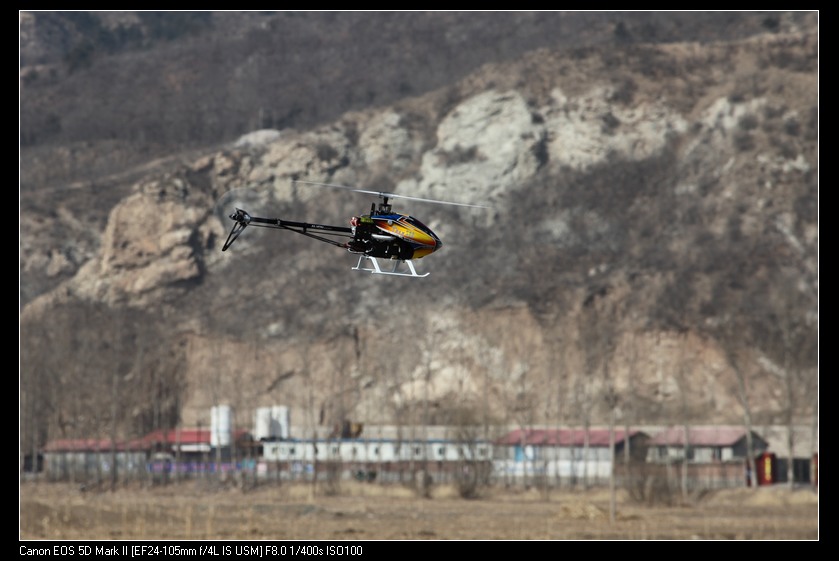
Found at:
[653, 234]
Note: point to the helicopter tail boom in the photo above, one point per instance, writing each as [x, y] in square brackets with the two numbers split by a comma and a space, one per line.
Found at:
[242, 220]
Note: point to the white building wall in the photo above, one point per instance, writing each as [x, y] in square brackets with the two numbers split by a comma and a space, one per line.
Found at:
[373, 451]
[593, 469]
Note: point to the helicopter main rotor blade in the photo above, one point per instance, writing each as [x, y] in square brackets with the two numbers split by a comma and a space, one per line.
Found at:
[384, 194]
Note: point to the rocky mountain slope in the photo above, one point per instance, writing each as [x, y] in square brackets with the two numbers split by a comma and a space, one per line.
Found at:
[652, 244]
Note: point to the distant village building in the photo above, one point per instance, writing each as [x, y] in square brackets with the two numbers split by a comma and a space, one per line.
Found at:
[704, 444]
[184, 450]
[89, 459]
[805, 453]
[382, 459]
[570, 455]
[715, 456]
[374, 451]
[705, 457]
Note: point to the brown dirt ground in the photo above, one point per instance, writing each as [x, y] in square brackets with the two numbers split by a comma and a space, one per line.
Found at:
[196, 511]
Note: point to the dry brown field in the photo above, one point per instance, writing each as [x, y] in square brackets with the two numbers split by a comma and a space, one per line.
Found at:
[357, 511]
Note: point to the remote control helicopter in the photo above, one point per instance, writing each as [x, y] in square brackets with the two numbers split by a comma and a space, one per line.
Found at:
[380, 234]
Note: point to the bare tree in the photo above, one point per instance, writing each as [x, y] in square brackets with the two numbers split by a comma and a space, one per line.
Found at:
[682, 370]
[788, 345]
[628, 404]
[814, 445]
[38, 379]
[612, 399]
[559, 369]
[584, 401]
[733, 344]
[428, 348]
[600, 326]
[73, 391]
[583, 404]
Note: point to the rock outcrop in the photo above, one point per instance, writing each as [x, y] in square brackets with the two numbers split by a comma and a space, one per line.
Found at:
[646, 211]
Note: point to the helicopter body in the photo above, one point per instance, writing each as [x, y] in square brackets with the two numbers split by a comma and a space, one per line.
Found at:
[381, 234]
[392, 236]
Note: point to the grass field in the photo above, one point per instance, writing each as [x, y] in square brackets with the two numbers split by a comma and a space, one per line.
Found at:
[357, 511]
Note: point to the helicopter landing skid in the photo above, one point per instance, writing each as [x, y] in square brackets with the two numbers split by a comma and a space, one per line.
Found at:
[377, 270]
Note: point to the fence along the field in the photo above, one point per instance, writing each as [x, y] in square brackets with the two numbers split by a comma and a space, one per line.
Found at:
[646, 480]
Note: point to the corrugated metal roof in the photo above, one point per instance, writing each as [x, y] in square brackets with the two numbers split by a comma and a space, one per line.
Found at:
[182, 436]
[169, 437]
[701, 436]
[91, 445]
[563, 437]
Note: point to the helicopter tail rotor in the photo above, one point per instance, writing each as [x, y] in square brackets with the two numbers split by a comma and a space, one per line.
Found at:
[241, 220]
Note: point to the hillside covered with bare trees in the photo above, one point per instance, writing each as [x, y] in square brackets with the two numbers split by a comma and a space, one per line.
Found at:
[650, 250]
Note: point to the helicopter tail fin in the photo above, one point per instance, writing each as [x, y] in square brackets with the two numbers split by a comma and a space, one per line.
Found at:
[241, 220]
